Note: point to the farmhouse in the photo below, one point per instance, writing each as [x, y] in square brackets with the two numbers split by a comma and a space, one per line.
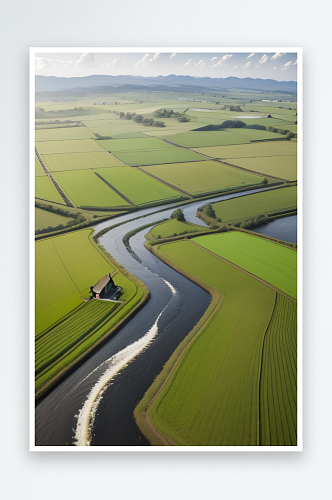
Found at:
[105, 289]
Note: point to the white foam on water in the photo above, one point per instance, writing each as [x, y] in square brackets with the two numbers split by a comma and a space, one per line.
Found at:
[87, 414]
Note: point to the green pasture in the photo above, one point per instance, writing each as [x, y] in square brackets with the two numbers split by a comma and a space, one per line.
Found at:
[45, 190]
[203, 177]
[269, 261]
[137, 186]
[63, 134]
[278, 387]
[44, 218]
[38, 168]
[173, 227]
[73, 146]
[133, 144]
[85, 189]
[251, 205]
[66, 267]
[283, 167]
[212, 396]
[80, 161]
[155, 156]
[268, 148]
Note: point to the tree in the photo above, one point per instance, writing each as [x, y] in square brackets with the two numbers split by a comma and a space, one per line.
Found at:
[178, 214]
[232, 124]
[209, 210]
[138, 118]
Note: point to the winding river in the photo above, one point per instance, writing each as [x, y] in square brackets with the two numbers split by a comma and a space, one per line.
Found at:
[121, 371]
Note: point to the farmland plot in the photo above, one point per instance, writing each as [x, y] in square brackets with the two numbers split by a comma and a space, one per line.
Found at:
[73, 146]
[38, 168]
[170, 154]
[64, 134]
[249, 206]
[269, 261]
[222, 137]
[137, 186]
[283, 167]
[45, 190]
[212, 396]
[203, 177]
[132, 144]
[270, 148]
[172, 227]
[80, 161]
[44, 218]
[85, 189]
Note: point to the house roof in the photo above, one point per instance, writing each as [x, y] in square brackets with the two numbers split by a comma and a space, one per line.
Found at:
[101, 284]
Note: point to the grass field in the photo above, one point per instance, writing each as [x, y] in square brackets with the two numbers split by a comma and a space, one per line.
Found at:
[283, 167]
[137, 186]
[270, 148]
[212, 398]
[80, 161]
[278, 388]
[85, 189]
[269, 261]
[155, 156]
[66, 267]
[45, 190]
[222, 137]
[171, 227]
[73, 146]
[64, 134]
[132, 144]
[44, 218]
[246, 207]
[38, 168]
[199, 178]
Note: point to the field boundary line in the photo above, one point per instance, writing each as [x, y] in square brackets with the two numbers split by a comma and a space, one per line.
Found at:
[243, 270]
[162, 181]
[113, 189]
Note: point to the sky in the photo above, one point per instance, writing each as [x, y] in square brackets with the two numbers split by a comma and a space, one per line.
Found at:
[278, 66]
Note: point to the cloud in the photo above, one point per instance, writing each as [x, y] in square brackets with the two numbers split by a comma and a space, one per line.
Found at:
[286, 66]
[263, 59]
[141, 62]
[277, 55]
[186, 64]
[200, 64]
[214, 58]
[104, 64]
[250, 55]
[275, 67]
[234, 67]
[246, 66]
[226, 56]
[157, 54]
[172, 55]
[219, 63]
[295, 63]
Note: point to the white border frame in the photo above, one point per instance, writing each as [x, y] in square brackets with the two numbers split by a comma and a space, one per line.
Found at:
[40, 50]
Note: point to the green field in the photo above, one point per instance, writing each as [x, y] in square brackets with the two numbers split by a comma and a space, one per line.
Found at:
[80, 161]
[156, 156]
[173, 227]
[132, 144]
[212, 398]
[249, 206]
[137, 186]
[38, 168]
[283, 167]
[199, 178]
[269, 148]
[44, 218]
[64, 134]
[85, 189]
[45, 190]
[66, 267]
[222, 137]
[278, 409]
[73, 146]
[269, 261]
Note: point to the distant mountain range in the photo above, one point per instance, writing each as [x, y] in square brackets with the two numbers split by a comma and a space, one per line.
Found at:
[54, 83]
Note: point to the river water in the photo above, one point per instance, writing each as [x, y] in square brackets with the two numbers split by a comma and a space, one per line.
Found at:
[284, 229]
[175, 306]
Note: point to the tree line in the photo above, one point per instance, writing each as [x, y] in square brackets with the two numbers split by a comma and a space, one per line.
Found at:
[140, 119]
